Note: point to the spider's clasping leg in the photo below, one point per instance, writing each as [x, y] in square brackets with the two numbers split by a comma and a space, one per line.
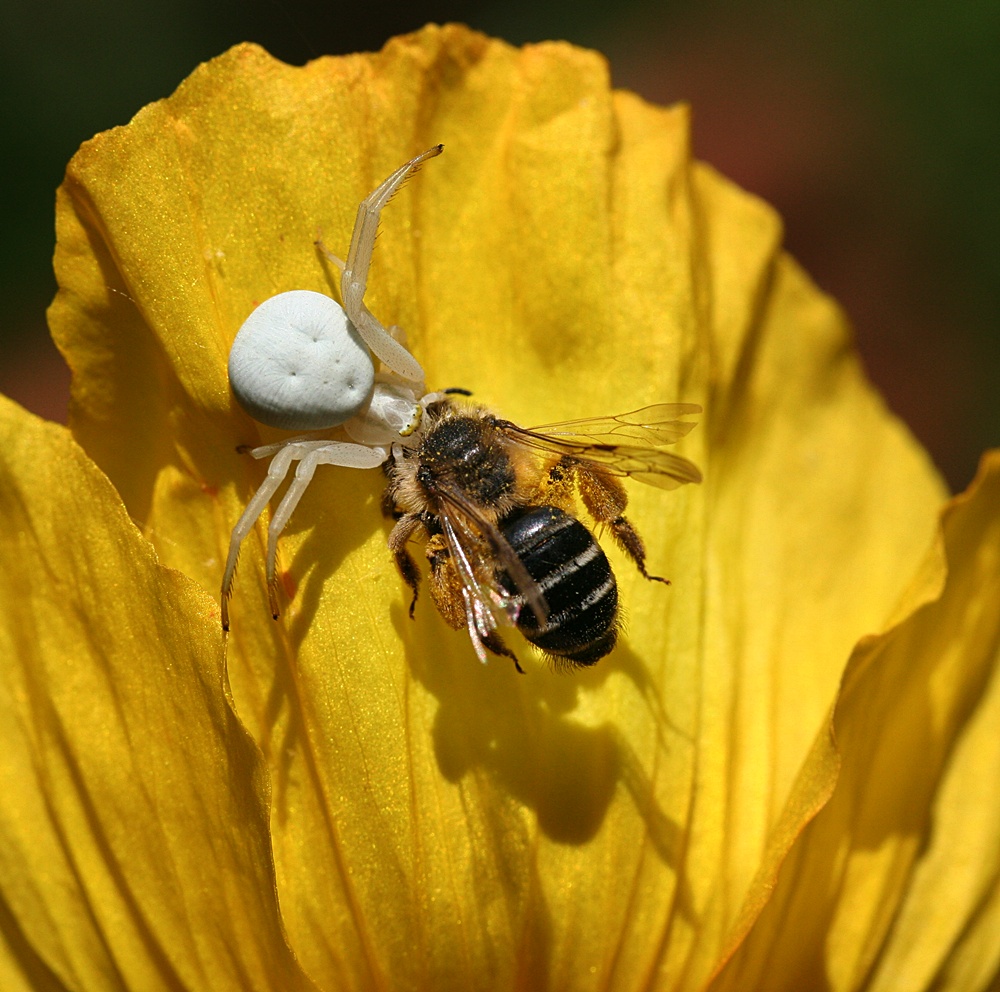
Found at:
[276, 473]
[311, 454]
[354, 279]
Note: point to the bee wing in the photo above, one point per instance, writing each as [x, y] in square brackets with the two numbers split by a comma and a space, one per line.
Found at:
[651, 425]
[606, 442]
[480, 620]
[465, 529]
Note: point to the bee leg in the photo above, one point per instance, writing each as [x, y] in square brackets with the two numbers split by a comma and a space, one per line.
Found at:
[631, 543]
[557, 488]
[605, 499]
[405, 564]
[387, 504]
[461, 606]
[482, 627]
[494, 643]
[446, 584]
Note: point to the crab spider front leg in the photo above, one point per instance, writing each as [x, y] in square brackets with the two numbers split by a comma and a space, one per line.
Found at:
[354, 273]
[276, 473]
[313, 453]
[308, 454]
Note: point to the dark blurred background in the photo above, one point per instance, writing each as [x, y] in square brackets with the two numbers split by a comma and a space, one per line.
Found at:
[873, 128]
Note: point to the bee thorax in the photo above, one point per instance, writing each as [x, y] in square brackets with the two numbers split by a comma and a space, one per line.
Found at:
[464, 454]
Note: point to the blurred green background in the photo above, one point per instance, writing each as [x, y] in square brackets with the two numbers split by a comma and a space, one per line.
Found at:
[873, 128]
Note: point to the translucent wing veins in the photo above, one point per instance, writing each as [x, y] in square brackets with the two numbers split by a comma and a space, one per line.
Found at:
[596, 440]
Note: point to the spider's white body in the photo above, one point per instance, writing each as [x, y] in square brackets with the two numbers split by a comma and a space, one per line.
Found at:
[299, 363]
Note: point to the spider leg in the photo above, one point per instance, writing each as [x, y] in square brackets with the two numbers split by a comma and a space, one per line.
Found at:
[354, 278]
[310, 454]
[300, 440]
[276, 473]
[336, 259]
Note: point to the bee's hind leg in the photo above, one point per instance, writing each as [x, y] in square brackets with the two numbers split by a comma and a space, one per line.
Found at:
[483, 630]
[461, 606]
[605, 499]
[495, 644]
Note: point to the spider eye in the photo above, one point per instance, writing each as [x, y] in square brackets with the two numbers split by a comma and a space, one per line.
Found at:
[298, 363]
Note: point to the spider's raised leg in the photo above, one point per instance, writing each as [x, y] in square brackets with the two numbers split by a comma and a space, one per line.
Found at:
[354, 277]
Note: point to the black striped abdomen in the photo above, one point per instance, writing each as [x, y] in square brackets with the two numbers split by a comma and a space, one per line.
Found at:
[574, 574]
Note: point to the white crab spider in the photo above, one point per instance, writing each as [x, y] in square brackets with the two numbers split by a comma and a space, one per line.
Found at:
[298, 363]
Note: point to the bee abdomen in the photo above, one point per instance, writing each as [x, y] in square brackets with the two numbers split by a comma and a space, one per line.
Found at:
[574, 574]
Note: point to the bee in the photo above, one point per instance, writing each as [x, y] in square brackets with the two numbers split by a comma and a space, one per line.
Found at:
[495, 503]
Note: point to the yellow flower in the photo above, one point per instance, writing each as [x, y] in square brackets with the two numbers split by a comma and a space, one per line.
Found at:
[783, 779]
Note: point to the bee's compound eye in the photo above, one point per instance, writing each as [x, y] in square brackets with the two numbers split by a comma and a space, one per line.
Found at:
[298, 363]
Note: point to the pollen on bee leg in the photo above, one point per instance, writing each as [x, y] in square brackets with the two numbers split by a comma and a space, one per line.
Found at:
[603, 495]
[557, 487]
[446, 584]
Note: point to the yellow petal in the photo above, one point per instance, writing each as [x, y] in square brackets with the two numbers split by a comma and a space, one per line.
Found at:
[435, 821]
[895, 883]
[134, 820]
